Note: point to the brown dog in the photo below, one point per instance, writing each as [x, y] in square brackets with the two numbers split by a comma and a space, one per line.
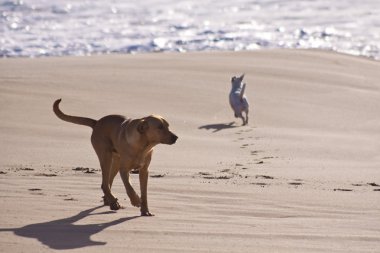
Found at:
[123, 145]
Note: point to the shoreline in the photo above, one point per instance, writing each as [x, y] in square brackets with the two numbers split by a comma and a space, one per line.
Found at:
[329, 51]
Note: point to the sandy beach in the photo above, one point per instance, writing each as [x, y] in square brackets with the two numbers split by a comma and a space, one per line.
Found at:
[303, 176]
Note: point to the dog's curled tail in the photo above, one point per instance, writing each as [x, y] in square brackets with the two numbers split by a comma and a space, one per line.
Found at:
[73, 119]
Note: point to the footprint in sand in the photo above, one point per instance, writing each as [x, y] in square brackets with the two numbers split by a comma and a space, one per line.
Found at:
[204, 173]
[25, 169]
[237, 166]
[343, 190]
[45, 175]
[36, 191]
[66, 197]
[229, 175]
[157, 175]
[254, 152]
[264, 177]
[70, 199]
[85, 170]
[218, 177]
[358, 184]
[366, 185]
[295, 183]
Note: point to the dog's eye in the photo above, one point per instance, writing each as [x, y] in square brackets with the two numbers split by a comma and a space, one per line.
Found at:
[161, 127]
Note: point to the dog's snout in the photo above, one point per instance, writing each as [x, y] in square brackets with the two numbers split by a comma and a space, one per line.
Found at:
[174, 138]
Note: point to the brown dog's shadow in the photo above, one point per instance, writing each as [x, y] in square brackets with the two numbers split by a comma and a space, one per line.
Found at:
[218, 127]
[63, 234]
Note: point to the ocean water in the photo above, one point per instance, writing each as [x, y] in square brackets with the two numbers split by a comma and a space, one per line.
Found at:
[33, 28]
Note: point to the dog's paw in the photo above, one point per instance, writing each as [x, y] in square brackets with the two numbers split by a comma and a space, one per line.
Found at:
[146, 213]
[135, 201]
[115, 205]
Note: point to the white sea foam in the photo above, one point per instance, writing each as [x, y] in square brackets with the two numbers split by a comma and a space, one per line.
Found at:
[62, 27]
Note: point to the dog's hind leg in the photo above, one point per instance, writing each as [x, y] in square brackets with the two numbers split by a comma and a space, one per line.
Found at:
[242, 118]
[240, 115]
[105, 159]
[115, 167]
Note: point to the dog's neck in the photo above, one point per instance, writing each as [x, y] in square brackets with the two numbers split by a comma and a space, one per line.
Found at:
[236, 87]
[144, 144]
[136, 139]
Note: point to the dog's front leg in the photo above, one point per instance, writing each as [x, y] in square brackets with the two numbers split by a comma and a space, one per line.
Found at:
[134, 198]
[143, 176]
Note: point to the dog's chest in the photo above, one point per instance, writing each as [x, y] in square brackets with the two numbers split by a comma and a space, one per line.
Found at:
[138, 162]
[141, 159]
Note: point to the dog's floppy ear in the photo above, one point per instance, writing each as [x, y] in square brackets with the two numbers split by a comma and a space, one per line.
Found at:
[142, 126]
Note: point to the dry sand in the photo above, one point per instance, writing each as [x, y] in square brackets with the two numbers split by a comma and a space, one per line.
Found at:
[302, 177]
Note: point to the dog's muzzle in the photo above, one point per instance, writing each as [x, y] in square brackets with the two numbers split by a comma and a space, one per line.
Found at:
[173, 139]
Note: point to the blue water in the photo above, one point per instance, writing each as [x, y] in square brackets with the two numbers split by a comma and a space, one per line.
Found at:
[33, 28]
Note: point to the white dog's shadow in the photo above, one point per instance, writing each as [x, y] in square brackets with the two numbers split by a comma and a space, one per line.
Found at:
[63, 234]
[218, 127]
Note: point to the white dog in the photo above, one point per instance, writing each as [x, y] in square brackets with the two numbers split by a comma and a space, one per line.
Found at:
[238, 100]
